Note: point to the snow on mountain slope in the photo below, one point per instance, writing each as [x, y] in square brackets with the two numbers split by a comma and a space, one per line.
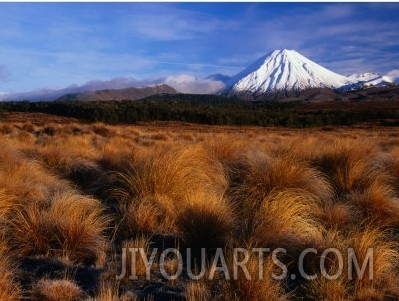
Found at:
[392, 76]
[368, 79]
[286, 70]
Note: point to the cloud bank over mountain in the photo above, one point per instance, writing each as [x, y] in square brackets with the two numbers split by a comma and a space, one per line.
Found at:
[190, 84]
[183, 83]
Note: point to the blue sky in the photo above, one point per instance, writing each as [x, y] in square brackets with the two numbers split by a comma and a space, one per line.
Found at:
[49, 45]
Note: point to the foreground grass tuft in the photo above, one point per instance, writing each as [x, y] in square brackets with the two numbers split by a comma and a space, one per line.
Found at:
[69, 225]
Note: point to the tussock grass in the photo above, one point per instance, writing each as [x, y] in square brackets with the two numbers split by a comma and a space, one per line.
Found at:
[197, 291]
[378, 285]
[287, 212]
[259, 174]
[174, 172]
[26, 179]
[324, 289]
[144, 216]
[139, 269]
[391, 164]
[7, 202]
[285, 219]
[225, 150]
[56, 290]
[348, 166]
[385, 263]
[379, 204]
[153, 187]
[197, 187]
[116, 151]
[256, 288]
[10, 290]
[334, 215]
[6, 128]
[69, 225]
[102, 129]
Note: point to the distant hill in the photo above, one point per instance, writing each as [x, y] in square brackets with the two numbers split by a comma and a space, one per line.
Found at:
[119, 94]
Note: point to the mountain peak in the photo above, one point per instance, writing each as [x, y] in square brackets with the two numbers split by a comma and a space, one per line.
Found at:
[286, 70]
[285, 51]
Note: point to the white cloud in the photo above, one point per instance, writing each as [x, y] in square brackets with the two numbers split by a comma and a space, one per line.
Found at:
[189, 84]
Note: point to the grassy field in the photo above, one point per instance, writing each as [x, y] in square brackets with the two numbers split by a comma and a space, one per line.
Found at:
[74, 195]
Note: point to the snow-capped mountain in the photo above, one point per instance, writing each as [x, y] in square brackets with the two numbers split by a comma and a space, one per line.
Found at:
[285, 70]
[369, 79]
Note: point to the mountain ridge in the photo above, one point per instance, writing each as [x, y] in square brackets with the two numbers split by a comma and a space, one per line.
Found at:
[132, 93]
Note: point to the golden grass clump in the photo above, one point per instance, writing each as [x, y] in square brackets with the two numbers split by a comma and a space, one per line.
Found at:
[10, 290]
[145, 215]
[154, 188]
[6, 128]
[28, 182]
[372, 251]
[384, 264]
[7, 202]
[288, 212]
[348, 166]
[26, 179]
[378, 204]
[225, 150]
[197, 291]
[139, 269]
[259, 174]
[116, 151]
[175, 172]
[285, 219]
[333, 215]
[391, 164]
[324, 289]
[102, 129]
[70, 225]
[260, 285]
[62, 154]
[56, 290]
